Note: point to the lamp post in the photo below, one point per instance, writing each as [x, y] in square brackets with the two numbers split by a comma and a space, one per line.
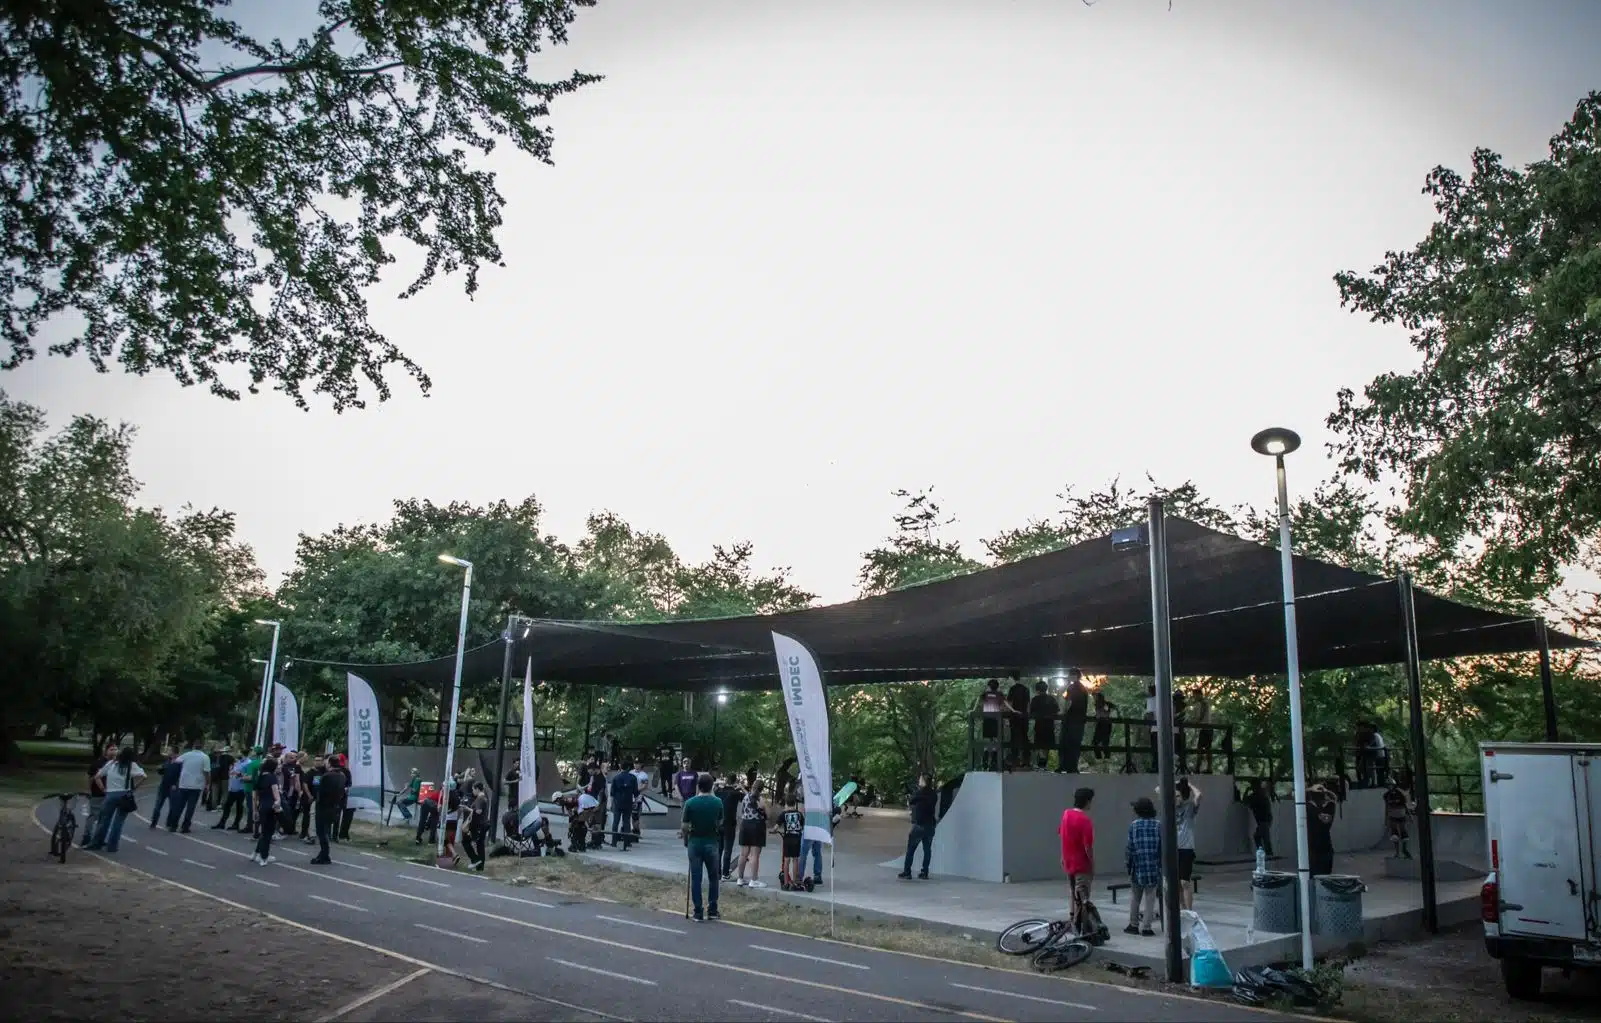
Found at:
[455, 695]
[266, 680]
[1278, 442]
[722, 698]
[500, 722]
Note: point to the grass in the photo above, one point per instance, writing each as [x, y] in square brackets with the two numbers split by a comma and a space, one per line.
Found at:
[26, 785]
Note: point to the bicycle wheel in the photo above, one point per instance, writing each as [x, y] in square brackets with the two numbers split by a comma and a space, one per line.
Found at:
[1027, 937]
[1061, 956]
[61, 840]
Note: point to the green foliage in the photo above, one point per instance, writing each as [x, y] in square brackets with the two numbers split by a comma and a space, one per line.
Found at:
[184, 194]
[1101, 512]
[1494, 438]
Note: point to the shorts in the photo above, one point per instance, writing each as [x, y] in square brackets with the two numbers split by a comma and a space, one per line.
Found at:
[1079, 885]
[753, 834]
[1186, 864]
[792, 847]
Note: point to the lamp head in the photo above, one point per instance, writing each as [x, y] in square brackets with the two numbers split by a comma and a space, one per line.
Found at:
[458, 562]
[722, 697]
[263, 621]
[1276, 441]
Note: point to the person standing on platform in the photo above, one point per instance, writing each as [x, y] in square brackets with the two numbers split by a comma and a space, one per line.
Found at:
[1077, 833]
[664, 770]
[1101, 740]
[1044, 710]
[702, 829]
[924, 804]
[1017, 699]
[1073, 716]
[991, 703]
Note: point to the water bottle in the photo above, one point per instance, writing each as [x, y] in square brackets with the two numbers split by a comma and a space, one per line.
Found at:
[1261, 861]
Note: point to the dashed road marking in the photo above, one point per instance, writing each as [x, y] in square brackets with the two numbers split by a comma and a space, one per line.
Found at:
[815, 959]
[336, 902]
[451, 934]
[197, 863]
[775, 1010]
[513, 898]
[1031, 998]
[604, 973]
[636, 923]
[257, 880]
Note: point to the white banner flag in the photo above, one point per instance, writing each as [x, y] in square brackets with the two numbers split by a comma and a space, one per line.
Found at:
[528, 766]
[802, 687]
[366, 745]
[285, 717]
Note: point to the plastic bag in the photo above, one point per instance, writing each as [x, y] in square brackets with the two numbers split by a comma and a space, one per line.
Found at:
[1207, 968]
[1257, 985]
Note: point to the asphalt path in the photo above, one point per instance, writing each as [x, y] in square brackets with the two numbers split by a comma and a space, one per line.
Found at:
[589, 959]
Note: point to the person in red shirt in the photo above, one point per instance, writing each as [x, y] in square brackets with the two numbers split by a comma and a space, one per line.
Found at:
[1077, 832]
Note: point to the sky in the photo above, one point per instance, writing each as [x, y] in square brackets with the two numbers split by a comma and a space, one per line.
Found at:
[792, 257]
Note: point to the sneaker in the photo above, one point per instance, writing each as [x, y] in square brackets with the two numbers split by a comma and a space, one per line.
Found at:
[1147, 933]
[905, 875]
[727, 878]
[269, 859]
[757, 884]
[922, 875]
[257, 860]
[742, 883]
[713, 915]
[699, 919]
[1131, 929]
[319, 861]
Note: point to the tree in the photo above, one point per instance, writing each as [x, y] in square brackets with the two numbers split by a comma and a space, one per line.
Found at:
[1496, 438]
[1099, 513]
[914, 553]
[182, 194]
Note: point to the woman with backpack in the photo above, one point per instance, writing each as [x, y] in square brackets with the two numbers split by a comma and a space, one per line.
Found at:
[120, 777]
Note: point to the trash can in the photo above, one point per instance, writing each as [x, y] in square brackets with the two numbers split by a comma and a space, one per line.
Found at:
[1337, 906]
[1275, 902]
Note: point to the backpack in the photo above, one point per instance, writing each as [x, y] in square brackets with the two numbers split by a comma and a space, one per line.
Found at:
[1091, 927]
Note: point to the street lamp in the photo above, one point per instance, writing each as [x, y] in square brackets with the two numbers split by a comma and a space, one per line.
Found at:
[1278, 442]
[455, 696]
[266, 680]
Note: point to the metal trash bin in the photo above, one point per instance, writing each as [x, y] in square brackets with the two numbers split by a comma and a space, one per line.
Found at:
[1337, 906]
[1275, 902]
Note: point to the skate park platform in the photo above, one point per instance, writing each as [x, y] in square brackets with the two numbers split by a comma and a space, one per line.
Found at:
[868, 856]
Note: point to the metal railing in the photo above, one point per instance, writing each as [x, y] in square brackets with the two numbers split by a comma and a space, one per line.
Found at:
[430, 732]
[1201, 749]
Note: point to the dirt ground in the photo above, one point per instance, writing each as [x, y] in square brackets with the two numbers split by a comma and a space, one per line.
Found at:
[87, 940]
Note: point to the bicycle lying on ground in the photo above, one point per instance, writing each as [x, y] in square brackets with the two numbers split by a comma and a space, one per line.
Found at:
[66, 824]
[1054, 944]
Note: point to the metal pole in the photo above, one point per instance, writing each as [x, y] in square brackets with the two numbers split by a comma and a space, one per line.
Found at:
[1162, 659]
[589, 712]
[266, 685]
[455, 704]
[1546, 691]
[500, 737]
[1420, 757]
[266, 680]
[1292, 654]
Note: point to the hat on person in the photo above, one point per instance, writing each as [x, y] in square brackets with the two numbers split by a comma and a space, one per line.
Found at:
[257, 749]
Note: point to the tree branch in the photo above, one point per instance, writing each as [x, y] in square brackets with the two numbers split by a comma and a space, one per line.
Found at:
[217, 81]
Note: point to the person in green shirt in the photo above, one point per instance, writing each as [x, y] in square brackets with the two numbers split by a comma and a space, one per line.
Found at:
[413, 794]
[248, 771]
[703, 831]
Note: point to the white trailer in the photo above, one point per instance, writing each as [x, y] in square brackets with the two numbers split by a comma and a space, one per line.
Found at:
[1541, 904]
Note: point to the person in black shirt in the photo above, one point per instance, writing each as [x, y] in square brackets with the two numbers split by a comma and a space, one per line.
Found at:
[1017, 698]
[791, 825]
[268, 802]
[1078, 703]
[1044, 710]
[477, 810]
[330, 800]
[732, 796]
[1259, 801]
[1101, 740]
[221, 764]
[291, 774]
[1321, 805]
[924, 802]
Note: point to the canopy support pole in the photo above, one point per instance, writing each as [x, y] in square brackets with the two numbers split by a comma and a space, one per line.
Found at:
[1420, 756]
[589, 713]
[1162, 658]
[500, 737]
[1547, 693]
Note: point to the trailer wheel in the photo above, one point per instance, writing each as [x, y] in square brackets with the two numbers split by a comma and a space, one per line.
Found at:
[1522, 978]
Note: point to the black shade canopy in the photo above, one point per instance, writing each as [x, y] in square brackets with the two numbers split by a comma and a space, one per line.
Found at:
[1085, 606]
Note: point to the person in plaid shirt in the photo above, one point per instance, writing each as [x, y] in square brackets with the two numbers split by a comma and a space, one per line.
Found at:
[1144, 861]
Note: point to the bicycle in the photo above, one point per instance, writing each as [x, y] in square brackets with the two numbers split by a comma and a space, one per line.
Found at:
[66, 824]
[1053, 944]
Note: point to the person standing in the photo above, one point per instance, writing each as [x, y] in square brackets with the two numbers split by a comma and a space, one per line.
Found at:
[1321, 804]
[1143, 857]
[686, 781]
[237, 799]
[166, 785]
[217, 791]
[702, 829]
[97, 794]
[346, 814]
[413, 792]
[1260, 802]
[624, 790]
[120, 777]
[310, 778]
[1101, 740]
[478, 826]
[194, 772]
[730, 795]
[991, 703]
[291, 777]
[1397, 808]
[330, 794]
[1078, 702]
[1017, 699]
[1077, 833]
[269, 801]
[924, 802]
[1044, 709]
[1184, 812]
[752, 837]
[249, 772]
[664, 769]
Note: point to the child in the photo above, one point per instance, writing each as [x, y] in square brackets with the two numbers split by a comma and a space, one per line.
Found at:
[791, 823]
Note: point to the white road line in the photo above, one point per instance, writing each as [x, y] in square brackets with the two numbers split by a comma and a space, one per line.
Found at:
[451, 934]
[513, 898]
[352, 866]
[130, 838]
[636, 923]
[815, 959]
[360, 852]
[603, 973]
[336, 902]
[372, 996]
[1031, 998]
[775, 1010]
[422, 880]
[257, 880]
[158, 852]
[197, 863]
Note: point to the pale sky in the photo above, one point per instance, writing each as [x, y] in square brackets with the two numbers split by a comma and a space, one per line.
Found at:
[794, 256]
